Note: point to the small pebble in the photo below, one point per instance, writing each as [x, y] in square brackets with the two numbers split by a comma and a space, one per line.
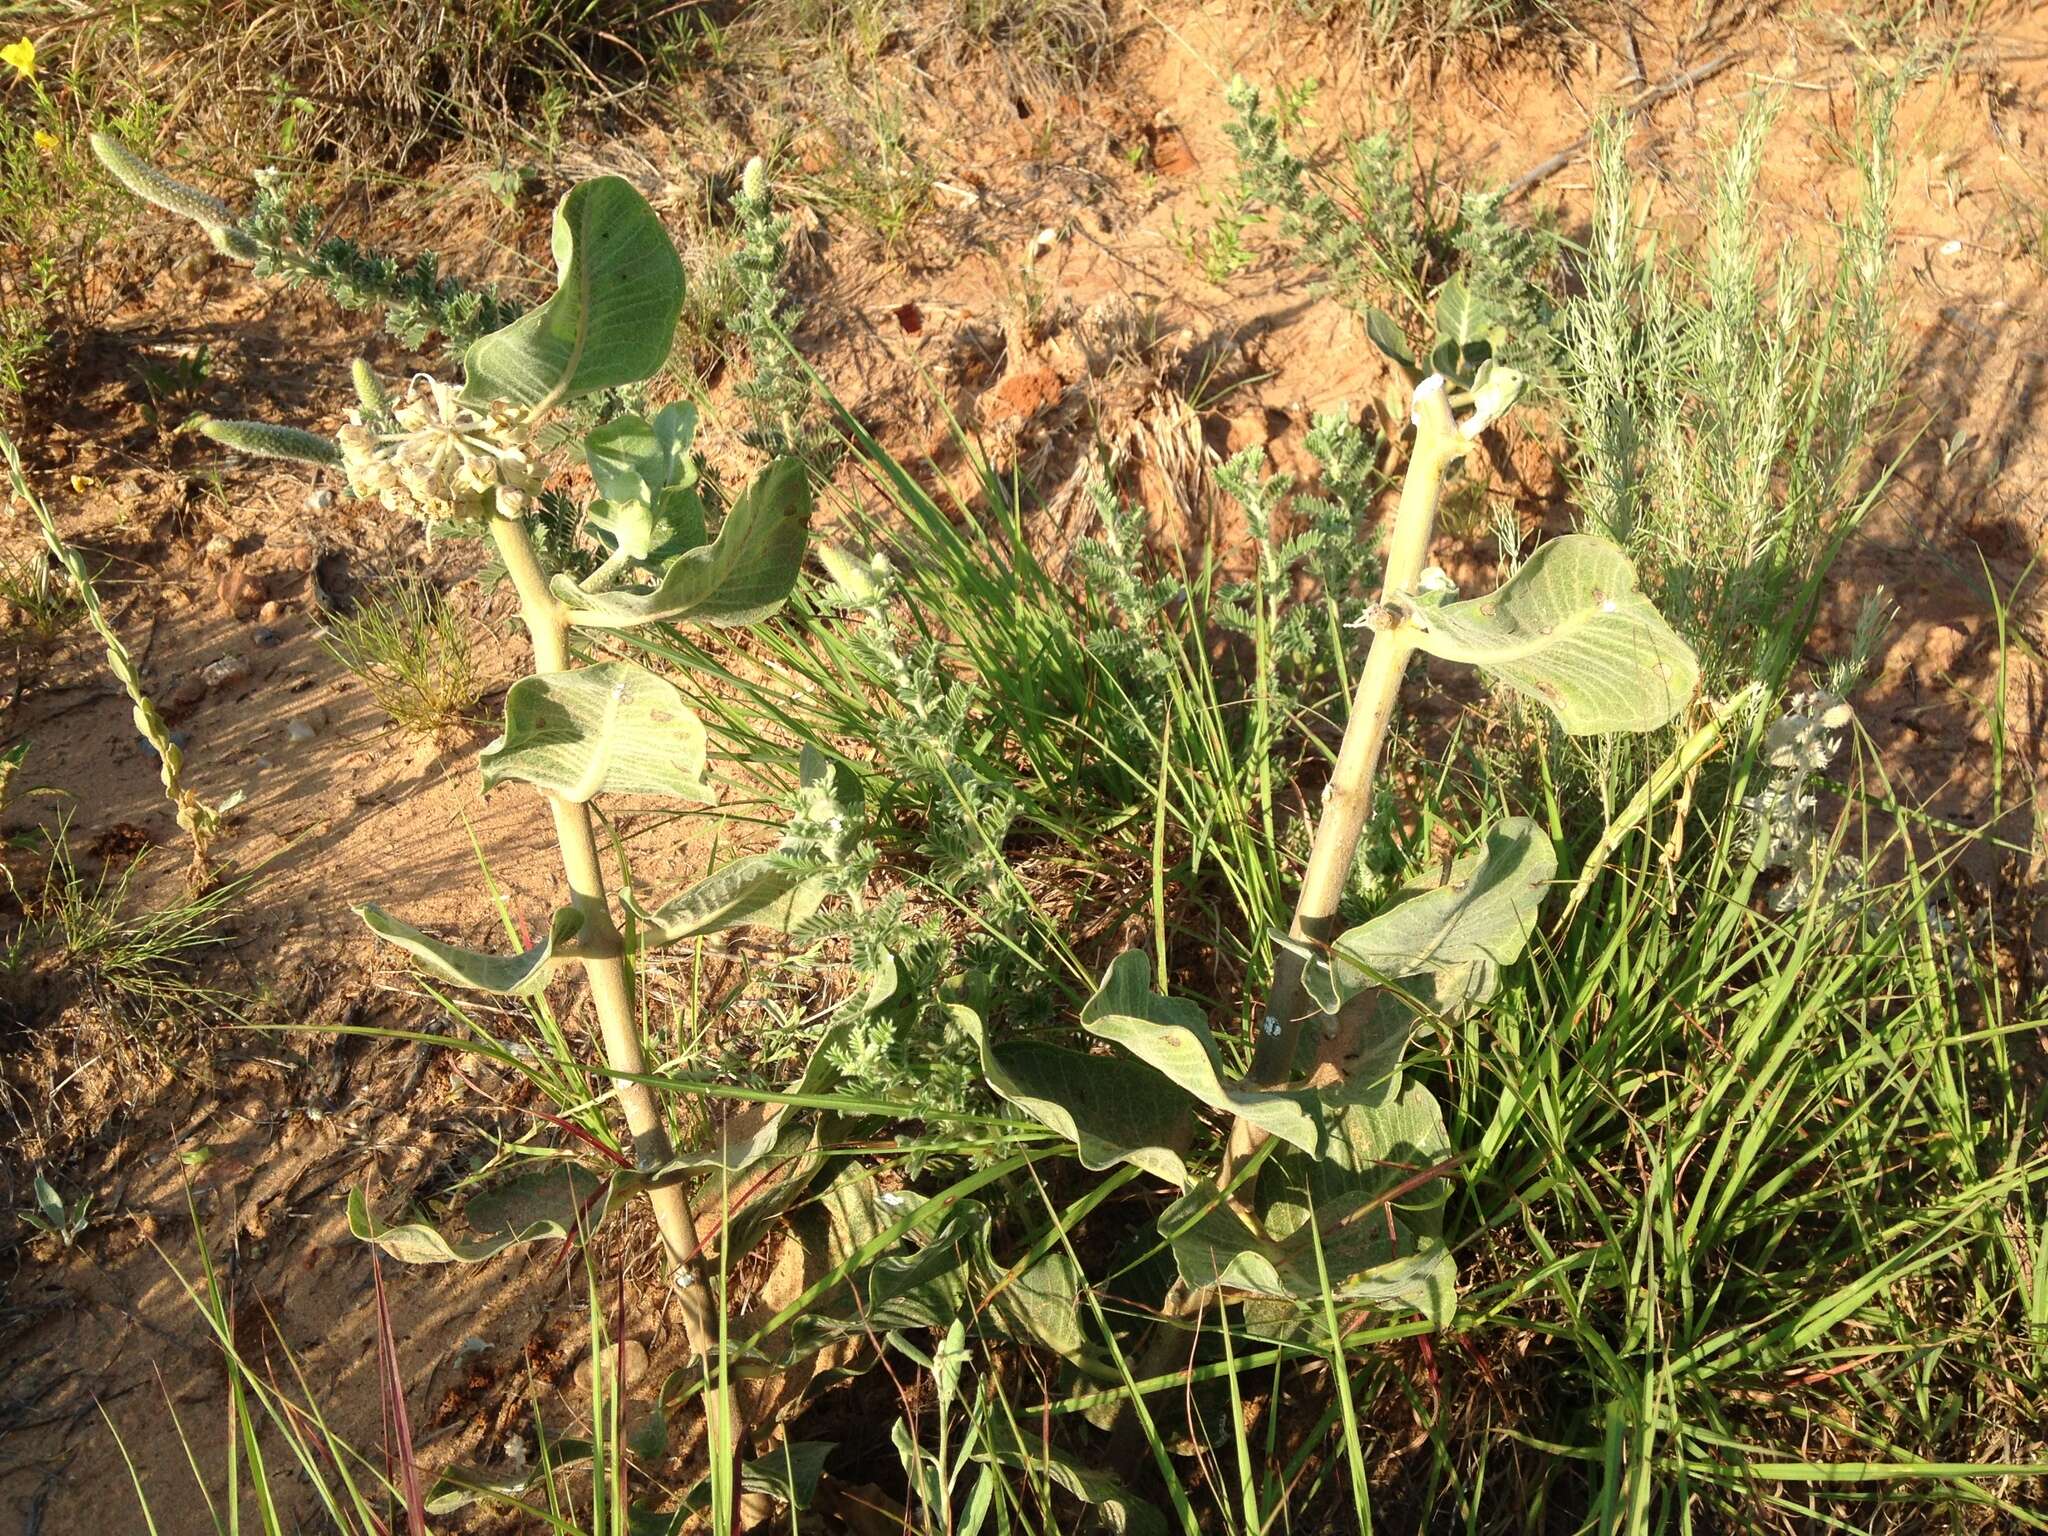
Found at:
[270, 612]
[298, 730]
[219, 547]
[189, 691]
[269, 639]
[227, 670]
[319, 500]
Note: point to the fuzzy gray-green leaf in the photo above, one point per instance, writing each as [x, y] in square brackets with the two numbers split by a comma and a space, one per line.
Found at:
[1170, 1035]
[633, 458]
[740, 577]
[613, 315]
[1118, 1509]
[1384, 334]
[1457, 928]
[518, 975]
[1112, 1108]
[1372, 1206]
[549, 1204]
[649, 509]
[614, 728]
[1572, 631]
[760, 890]
[1461, 317]
[770, 890]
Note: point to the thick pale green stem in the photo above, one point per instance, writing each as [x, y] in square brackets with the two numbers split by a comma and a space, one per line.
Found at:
[1347, 802]
[602, 954]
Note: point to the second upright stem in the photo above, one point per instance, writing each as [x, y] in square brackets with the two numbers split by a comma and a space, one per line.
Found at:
[1347, 801]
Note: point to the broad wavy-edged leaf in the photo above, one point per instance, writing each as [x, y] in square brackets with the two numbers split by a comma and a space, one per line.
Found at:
[733, 1211]
[925, 1288]
[747, 1134]
[1376, 1214]
[1115, 1506]
[649, 510]
[760, 890]
[519, 975]
[776, 890]
[1458, 929]
[1112, 1108]
[1170, 1035]
[1460, 315]
[551, 1203]
[1466, 333]
[459, 1487]
[619, 291]
[748, 1187]
[740, 577]
[1572, 630]
[1040, 1304]
[789, 1473]
[748, 1131]
[951, 1272]
[614, 729]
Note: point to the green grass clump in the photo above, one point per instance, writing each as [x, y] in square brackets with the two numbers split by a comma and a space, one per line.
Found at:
[54, 211]
[413, 651]
[36, 603]
[142, 965]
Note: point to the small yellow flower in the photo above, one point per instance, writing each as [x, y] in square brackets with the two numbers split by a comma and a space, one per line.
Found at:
[22, 56]
[46, 141]
[82, 483]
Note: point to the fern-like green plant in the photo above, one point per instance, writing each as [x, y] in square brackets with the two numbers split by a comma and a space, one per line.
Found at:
[277, 239]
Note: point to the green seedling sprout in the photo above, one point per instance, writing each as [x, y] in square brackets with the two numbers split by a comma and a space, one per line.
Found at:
[473, 457]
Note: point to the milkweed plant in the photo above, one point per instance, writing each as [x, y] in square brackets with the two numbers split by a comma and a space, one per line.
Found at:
[1325, 1171]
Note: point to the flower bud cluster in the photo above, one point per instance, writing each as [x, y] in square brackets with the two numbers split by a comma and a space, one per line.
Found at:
[440, 459]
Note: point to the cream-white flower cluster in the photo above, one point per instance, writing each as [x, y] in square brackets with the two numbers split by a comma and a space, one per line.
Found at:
[439, 459]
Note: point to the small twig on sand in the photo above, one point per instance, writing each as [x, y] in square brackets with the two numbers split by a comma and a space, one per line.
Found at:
[1544, 169]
